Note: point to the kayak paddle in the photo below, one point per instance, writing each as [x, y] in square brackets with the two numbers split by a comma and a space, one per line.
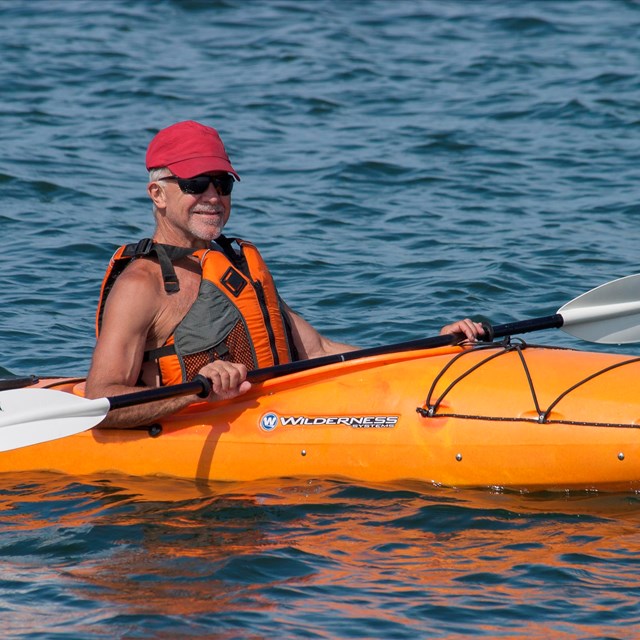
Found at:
[608, 314]
[31, 416]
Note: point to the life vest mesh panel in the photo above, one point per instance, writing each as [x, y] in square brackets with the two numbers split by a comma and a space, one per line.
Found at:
[240, 346]
[194, 362]
[239, 351]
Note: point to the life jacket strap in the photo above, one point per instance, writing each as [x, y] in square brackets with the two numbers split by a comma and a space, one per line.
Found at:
[160, 352]
[166, 255]
[221, 350]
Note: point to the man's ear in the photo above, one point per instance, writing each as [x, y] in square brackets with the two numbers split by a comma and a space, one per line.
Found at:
[157, 195]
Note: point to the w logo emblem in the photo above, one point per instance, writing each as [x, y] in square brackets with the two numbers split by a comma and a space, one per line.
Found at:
[269, 422]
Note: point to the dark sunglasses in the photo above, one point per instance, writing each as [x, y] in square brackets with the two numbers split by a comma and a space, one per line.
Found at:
[222, 183]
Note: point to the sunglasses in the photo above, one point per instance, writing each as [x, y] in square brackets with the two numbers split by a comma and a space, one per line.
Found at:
[222, 183]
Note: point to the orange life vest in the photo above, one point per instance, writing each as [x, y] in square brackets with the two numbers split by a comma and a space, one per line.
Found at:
[237, 316]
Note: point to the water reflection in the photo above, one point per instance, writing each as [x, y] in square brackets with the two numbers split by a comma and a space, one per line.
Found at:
[180, 551]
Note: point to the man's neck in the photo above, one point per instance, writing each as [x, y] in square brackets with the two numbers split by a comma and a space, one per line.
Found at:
[177, 240]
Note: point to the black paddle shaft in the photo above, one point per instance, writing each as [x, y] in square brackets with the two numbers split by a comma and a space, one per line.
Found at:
[526, 326]
[201, 387]
[498, 331]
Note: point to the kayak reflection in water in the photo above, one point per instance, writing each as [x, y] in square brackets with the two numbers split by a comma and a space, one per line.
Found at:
[190, 300]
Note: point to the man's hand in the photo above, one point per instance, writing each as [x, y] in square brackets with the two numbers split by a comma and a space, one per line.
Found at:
[471, 330]
[228, 380]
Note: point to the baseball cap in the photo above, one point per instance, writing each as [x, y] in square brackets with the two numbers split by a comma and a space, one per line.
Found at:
[188, 149]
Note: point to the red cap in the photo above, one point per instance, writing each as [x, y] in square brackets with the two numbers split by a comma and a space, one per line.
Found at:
[188, 149]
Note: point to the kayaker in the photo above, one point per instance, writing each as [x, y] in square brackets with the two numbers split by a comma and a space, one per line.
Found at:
[190, 300]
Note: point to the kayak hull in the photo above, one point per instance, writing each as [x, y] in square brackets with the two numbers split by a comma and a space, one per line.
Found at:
[369, 420]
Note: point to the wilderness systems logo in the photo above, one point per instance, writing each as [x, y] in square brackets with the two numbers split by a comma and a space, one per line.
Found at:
[271, 420]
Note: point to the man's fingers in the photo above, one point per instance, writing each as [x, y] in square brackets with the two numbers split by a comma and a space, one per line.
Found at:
[470, 329]
[228, 379]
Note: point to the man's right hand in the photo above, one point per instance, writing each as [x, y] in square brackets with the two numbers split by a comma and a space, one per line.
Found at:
[228, 380]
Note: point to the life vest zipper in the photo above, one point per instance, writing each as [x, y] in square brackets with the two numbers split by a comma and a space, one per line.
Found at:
[267, 320]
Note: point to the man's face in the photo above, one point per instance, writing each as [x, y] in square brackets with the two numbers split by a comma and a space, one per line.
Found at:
[191, 215]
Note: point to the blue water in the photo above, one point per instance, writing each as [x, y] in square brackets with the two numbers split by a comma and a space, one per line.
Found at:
[403, 164]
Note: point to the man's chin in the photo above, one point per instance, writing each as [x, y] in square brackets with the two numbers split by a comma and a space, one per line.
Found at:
[207, 231]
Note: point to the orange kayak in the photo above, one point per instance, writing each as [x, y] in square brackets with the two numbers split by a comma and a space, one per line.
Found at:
[515, 416]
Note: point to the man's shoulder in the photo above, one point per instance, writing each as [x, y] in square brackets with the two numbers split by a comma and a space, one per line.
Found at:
[142, 273]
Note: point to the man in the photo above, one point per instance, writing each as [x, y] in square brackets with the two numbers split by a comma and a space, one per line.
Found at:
[192, 301]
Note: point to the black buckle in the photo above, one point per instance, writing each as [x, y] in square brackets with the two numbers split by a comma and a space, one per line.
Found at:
[143, 247]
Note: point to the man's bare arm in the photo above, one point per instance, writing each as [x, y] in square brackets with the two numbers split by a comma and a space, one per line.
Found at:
[309, 342]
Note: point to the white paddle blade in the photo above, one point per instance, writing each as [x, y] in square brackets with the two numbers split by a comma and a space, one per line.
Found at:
[31, 416]
[608, 314]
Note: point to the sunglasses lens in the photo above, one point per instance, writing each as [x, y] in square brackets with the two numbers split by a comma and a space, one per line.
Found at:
[222, 184]
[195, 185]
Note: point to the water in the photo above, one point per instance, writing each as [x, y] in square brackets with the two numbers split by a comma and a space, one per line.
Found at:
[403, 164]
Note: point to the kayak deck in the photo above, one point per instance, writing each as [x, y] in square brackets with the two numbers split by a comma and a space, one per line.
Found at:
[513, 416]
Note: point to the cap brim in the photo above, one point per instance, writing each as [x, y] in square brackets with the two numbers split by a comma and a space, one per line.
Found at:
[197, 166]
